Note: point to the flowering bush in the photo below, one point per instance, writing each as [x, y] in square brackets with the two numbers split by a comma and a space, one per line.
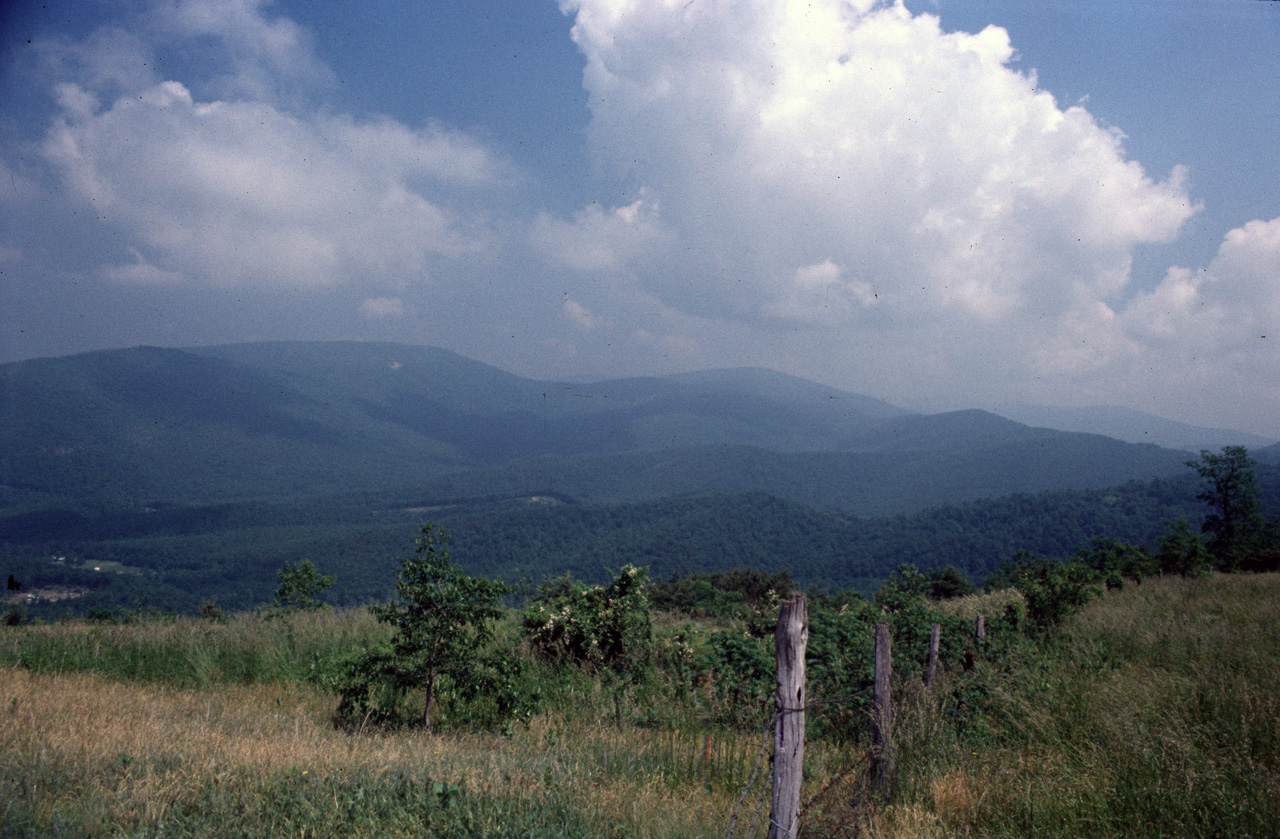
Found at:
[594, 627]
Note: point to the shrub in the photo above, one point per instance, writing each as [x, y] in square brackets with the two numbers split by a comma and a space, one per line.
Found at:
[299, 585]
[1053, 589]
[593, 627]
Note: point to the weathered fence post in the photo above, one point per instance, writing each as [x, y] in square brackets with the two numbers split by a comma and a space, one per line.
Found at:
[882, 765]
[791, 638]
[980, 630]
[931, 664]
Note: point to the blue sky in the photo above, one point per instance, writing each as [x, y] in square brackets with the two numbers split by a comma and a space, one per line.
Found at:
[944, 204]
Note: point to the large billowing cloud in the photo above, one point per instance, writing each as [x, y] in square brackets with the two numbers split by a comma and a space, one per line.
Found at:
[851, 168]
[782, 136]
[246, 191]
[899, 208]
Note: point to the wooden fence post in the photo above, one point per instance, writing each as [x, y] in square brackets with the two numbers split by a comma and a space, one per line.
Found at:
[882, 764]
[931, 664]
[791, 638]
[980, 631]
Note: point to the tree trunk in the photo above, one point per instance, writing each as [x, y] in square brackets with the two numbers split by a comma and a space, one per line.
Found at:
[431, 685]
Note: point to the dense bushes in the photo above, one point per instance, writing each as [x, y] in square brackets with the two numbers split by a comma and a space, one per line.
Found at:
[721, 593]
[595, 627]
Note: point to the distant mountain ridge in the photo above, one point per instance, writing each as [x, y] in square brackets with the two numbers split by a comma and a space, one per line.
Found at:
[298, 420]
[1132, 427]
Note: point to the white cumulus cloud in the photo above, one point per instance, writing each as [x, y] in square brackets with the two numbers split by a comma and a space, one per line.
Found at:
[786, 133]
[896, 206]
[259, 54]
[598, 240]
[244, 191]
[1216, 328]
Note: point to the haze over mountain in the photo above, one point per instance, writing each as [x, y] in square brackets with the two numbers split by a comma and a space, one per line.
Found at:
[1131, 426]
[298, 420]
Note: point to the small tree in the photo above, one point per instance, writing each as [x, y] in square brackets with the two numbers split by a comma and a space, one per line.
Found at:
[300, 584]
[1234, 523]
[1116, 560]
[948, 583]
[905, 586]
[1183, 551]
[441, 618]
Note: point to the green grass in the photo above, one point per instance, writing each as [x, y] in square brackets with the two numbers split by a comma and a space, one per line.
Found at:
[1154, 711]
[249, 648]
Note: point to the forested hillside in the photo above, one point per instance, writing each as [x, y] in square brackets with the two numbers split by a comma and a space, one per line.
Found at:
[179, 557]
[169, 477]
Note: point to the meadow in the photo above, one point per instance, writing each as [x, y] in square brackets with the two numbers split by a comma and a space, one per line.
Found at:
[1152, 711]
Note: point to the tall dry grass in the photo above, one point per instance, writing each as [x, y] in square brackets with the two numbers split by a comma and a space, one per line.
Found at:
[1155, 711]
[89, 757]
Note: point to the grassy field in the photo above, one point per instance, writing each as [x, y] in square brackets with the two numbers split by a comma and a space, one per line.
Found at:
[89, 757]
[1155, 711]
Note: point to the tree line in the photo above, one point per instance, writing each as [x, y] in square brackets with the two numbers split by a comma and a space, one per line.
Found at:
[228, 552]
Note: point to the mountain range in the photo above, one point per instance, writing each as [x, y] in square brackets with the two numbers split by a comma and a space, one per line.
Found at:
[298, 420]
[1132, 426]
[213, 465]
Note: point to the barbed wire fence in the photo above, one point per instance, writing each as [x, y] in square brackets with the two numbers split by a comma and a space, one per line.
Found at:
[831, 799]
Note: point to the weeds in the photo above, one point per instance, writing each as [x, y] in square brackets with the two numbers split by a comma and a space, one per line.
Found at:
[1154, 711]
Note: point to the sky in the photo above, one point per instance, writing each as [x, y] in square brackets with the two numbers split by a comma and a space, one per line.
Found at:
[940, 203]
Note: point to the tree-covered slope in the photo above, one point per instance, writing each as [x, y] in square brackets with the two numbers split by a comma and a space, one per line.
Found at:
[150, 423]
[291, 419]
[177, 556]
[298, 420]
[493, 416]
[864, 483]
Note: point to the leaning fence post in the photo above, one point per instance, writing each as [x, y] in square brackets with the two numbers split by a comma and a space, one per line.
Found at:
[931, 665]
[882, 765]
[791, 638]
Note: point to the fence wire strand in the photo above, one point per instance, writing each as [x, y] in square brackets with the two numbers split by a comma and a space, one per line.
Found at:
[855, 772]
[764, 747]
